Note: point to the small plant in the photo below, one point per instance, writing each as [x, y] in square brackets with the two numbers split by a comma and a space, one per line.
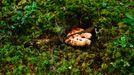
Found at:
[121, 41]
[129, 20]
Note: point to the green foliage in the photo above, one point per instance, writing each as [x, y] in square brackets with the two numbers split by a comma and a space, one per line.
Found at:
[122, 41]
[129, 20]
[25, 20]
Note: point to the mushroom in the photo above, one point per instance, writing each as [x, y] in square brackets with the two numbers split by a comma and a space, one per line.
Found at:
[78, 39]
[75, 30]
[86, 35]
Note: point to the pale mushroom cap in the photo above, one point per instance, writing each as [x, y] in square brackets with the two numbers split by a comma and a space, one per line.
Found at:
[88, 42]
[81, 42]
[77, 40]
[72, 38]
[86, 35]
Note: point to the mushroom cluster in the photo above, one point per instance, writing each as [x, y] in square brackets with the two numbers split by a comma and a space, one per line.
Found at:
[75, 39]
